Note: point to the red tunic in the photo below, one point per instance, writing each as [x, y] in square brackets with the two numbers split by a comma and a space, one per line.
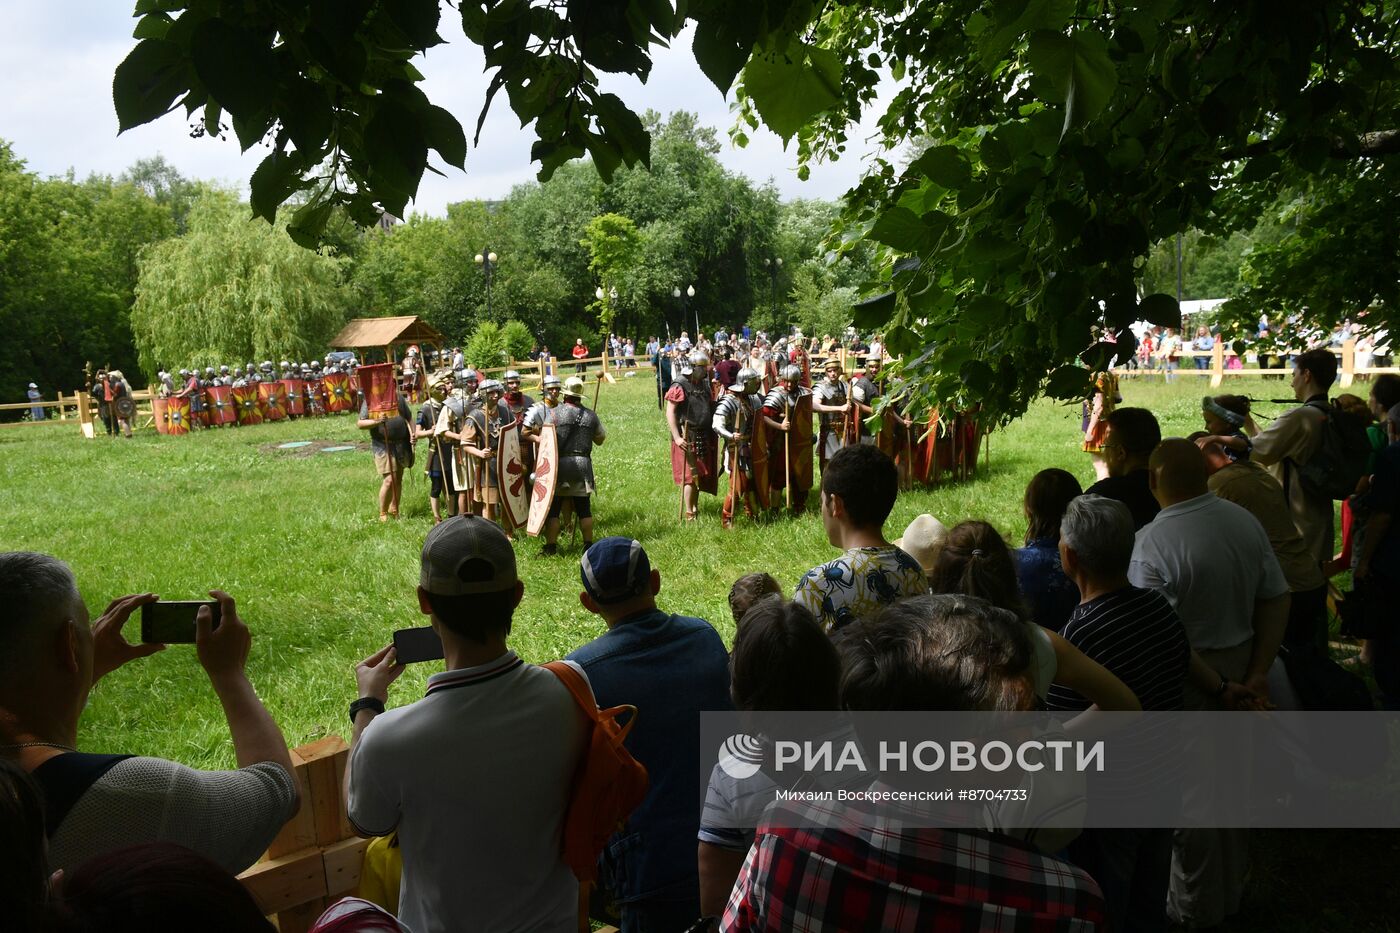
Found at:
[700, 466]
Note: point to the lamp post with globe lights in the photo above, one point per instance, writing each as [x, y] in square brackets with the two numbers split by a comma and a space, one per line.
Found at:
[681, 296]
[487, 262]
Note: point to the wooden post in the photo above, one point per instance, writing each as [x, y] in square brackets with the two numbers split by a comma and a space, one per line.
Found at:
[1348, 362]
[62, 409]
[539, 363]
[604, 360]
[1217, 364]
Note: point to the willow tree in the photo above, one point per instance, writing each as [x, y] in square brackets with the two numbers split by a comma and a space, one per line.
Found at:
[233, 290]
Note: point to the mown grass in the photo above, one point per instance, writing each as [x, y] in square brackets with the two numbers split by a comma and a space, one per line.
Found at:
[295, 538]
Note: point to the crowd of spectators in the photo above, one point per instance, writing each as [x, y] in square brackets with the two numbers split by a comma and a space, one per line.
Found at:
[1169, 585]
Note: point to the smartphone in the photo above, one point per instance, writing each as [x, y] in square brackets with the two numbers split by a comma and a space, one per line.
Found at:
[417, 644]
[171, 622]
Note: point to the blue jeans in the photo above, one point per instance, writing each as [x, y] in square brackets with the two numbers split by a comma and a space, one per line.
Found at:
[1202, 362]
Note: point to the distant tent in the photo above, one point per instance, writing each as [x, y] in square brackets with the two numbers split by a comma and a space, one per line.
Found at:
[385, 333]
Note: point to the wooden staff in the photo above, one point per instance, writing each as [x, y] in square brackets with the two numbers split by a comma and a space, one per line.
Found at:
[685, 457]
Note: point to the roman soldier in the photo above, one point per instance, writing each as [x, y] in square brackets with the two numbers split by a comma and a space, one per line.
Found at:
[734, 420]
[689, 415]
[831, 400]
[516, 402]
[894, 434]
[787, 415]
[542, 411]
[438, 469]
[578, 431]
[480, 435]
[452, 419]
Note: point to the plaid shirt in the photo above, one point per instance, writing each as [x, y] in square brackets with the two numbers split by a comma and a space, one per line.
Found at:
[846, 870]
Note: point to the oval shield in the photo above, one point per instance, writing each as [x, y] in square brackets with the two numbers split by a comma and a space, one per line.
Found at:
[546, 478]
[513, 478]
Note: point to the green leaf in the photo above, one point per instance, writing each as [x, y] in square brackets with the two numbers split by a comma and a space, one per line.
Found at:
[718, 56]
[417, 20]
[873, 313]
[306, 115]
[623, 129]
[1160, 309]
[901, 229]
[1068, 382]
[1073, 70]
[444, 134]
[944, 165]
[396, 152]
[235, 67]
[152, 26]
[788, 89]
[977, 376]
[147, 82]
[309, 222]
[273, 181]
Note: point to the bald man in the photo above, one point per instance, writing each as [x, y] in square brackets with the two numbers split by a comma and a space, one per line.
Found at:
[1213, 562]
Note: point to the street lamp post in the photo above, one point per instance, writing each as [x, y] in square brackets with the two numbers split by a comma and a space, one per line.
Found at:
[487, 263]
[774, 266]
[681, 296]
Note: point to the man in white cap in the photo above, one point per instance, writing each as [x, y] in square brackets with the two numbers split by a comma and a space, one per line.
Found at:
[36, 412]
[475, 776]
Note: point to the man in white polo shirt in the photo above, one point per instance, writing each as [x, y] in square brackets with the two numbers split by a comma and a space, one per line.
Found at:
[476, 776]
[1213, 562]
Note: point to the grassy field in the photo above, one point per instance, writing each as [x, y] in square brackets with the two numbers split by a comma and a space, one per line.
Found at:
[295, 537]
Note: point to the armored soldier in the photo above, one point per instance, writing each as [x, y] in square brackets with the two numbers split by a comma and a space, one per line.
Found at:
[516, 402]
[194, 394]
[787, 416]
[542, 411]
[579, 430]
[437, 469]
[894, 435]
[734, 420]
[689, 415]
[250, 375]
[447, 431]
[832, 400]
[480, 436]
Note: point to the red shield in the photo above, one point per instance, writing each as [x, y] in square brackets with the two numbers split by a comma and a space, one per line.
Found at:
[513, 478]
[546, 478]
[158, 406]
[218, 405]
[272, 397]
[296, 396]
[339, 396]
[381, 390]
[245, 405]
[177, 414]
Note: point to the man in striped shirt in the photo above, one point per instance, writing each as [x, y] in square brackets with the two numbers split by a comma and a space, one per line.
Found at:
[1136, 634]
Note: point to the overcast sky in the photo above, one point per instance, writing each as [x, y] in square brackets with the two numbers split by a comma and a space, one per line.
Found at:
[57, 111]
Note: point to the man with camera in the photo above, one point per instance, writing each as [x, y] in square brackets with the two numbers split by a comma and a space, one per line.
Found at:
[476, 775]
[49, 660]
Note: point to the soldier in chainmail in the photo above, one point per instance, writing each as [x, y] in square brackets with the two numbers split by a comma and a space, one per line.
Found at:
[734, 420]
[480, 439]
[831, 400]
[438, 469]
[689, 415]
[579, 430]
[451, 421]
[789, 423]
[542, 411]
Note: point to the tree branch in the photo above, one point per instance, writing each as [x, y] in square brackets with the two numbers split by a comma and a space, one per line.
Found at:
[1365, 146]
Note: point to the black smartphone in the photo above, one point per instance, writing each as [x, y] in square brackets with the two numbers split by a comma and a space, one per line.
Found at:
[171, 622]
[412, 645]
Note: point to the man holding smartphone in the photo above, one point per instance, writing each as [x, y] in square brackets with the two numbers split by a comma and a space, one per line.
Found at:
[476, 775]
[49, 660]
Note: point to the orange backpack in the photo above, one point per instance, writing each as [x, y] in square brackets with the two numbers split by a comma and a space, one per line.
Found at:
[609, 782]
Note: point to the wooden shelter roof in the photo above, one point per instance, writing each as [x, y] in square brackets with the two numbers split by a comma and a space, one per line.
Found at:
[385, 331]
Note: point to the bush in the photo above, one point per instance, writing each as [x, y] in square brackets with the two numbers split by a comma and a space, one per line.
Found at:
[519, 340]
[487, 346]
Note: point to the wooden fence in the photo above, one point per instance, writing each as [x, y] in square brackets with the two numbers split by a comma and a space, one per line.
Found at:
[1219, 369]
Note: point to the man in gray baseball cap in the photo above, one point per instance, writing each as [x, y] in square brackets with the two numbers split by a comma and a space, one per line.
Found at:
[474, 776]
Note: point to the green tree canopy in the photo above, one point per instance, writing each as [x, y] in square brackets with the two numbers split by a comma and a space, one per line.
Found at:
[68, 266]
[233, 290]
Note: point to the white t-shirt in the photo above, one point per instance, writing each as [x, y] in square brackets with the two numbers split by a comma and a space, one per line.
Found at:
[476, 778]
[1211, 559]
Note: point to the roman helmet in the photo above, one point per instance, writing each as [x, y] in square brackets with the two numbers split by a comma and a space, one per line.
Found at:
[574, 387]
[791, 373]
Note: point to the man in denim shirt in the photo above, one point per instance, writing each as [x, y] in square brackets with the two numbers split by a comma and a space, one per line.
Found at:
[671, 668]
